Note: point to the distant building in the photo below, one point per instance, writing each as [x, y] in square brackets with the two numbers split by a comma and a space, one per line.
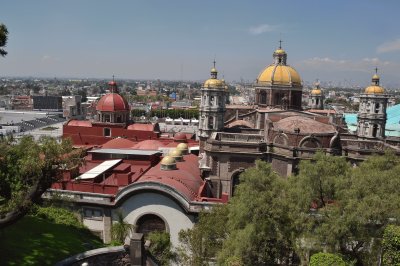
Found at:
[50, 103]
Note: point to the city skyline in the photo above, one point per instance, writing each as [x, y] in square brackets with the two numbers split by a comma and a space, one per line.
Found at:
[338, 41]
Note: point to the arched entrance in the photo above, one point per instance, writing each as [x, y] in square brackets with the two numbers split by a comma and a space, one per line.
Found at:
[150, 223]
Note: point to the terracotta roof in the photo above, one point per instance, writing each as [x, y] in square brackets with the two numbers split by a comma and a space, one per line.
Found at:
[118, 143]
[305, 124]
[142, 127]
[186, 179]
[148, 145]
[180, 136]
[112, 102]
[79, 123]
[242, 123]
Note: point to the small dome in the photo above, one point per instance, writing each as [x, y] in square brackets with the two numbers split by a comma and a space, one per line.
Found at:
[183, 148]
[316, 91]
[279, 75]
[214, 70]
[112, 102]
[374, 90]
[176, 154]
[280, 51]
[168, 163]
[375, 77]
[168, 160]
[213, 83]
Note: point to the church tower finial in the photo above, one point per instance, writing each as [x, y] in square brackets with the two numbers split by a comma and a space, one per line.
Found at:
[280, 43]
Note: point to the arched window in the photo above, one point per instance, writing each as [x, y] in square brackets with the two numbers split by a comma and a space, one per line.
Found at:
[150, 223]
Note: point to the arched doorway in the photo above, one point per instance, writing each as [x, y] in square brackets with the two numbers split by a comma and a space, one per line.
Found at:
[150, 223]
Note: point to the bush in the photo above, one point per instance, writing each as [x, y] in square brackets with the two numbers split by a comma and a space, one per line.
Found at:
[160, 247]
[391, 245]
[326, 259]
[56, 215]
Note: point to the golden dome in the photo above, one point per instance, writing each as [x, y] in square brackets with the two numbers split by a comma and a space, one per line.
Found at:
[175, 153]
[280, 51]
[279, 75]
[375, 76]
[316, 91]
[213, 83]
[182, 146]
[168, 160]
[373, 89]
[214, 70]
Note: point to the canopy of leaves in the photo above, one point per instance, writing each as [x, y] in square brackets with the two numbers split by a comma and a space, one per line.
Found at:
[350, 206]
[391, 245]
[27, 170]
[326, 259]
[160, 247]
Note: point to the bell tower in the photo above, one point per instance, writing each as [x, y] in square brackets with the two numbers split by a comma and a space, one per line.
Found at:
[212, 107]
[371, 118]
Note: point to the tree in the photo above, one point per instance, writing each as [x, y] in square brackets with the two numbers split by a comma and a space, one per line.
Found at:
[202, 243]
[391, 245]
[349, 207]
[121, 229]
[160, 247]
[27, 170]
[253, 229]
[3, 39]
[258, 223]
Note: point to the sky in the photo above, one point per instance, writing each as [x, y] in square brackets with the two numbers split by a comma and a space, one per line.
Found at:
[337, 41]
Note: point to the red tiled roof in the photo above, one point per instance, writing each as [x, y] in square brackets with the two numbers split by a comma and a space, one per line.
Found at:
[186, 180]
[142, 127]
[305, 124]
[148, 145]
[112, 102]
[79, 123]
[118, 143]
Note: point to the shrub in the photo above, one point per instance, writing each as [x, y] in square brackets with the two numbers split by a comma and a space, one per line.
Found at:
[57, 215]
[160, 247]
[391, 245]
[326, 259]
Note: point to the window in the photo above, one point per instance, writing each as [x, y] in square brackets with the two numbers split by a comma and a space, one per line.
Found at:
[92, 213]
[107, 132]
[377, 106]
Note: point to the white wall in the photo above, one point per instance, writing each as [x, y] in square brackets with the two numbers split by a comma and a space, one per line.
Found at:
[167, 209]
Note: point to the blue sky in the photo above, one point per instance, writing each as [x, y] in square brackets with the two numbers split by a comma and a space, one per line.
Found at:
[339, 41]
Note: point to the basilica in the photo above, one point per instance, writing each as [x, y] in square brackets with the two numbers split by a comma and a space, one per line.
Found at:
[162, 182]
[278, 130]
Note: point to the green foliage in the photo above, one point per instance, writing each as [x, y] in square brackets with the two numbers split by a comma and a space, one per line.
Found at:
[391, 245]
[201, 244]
[121, 229]
[39, 241]
[326, 259]
[258, 224]
[353, 205]
[160, 247]
[28, 168]
[56, 215]
[3, 39]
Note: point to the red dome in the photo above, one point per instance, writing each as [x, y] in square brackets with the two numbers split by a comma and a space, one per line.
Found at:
[112, 102]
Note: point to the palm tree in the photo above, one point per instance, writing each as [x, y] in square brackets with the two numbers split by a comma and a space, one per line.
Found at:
[3, 39]
[121, 229]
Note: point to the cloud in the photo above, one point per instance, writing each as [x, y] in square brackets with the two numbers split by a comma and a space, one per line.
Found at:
[260, 29]
[46, 57]
[389, 46]
[329, 64]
